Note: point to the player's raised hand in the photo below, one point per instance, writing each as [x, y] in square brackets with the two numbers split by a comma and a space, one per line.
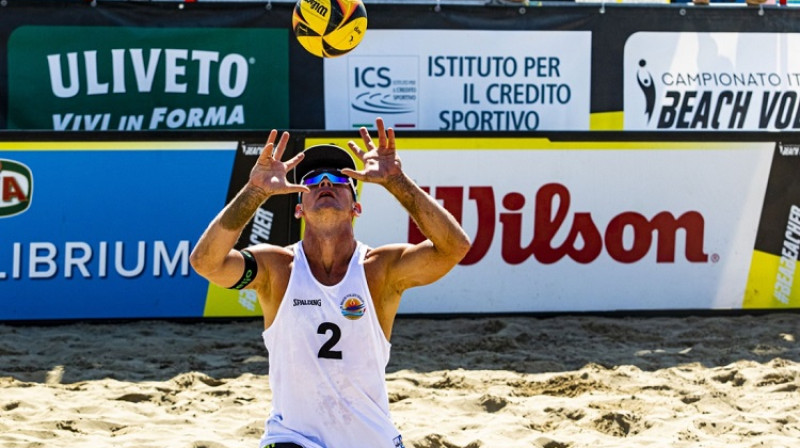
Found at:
[380, 161]
[269, 172]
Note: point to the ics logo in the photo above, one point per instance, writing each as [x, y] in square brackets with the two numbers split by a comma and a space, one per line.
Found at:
[385, 85]
[16, 188]
[353, 307]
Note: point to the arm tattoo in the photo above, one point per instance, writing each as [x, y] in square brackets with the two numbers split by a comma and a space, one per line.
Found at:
[403, 191]
[241, 209]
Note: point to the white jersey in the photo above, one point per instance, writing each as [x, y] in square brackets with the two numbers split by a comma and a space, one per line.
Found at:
[327, 363]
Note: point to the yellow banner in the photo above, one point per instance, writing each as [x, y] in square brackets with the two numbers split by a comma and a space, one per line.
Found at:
[770, 283]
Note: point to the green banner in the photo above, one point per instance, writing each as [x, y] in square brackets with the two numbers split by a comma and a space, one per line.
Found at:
[137, 78]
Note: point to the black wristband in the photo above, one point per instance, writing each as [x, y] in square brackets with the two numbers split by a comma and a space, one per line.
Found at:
[250, 270]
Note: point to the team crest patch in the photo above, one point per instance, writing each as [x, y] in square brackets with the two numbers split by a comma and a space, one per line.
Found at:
[353, 306]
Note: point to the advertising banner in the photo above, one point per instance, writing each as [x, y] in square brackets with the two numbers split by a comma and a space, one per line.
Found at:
[441, 80]
[105, 229]
[134, 78]
[712, 81]
[591, 226]
[273, 223]
[774, 269]
[545, 67]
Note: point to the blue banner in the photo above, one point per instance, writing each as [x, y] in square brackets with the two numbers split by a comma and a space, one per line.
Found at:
[108, 227]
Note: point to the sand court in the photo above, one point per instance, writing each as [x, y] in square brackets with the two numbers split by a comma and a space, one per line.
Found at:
[568, 381]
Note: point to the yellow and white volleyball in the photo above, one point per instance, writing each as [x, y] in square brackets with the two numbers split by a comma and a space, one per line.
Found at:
[329, 28]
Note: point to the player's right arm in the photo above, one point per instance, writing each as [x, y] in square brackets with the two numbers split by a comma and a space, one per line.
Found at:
[214, 256]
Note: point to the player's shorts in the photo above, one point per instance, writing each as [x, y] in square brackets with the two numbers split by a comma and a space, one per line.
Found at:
[283, 445]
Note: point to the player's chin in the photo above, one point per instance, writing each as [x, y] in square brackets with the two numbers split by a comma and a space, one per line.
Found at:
[331, 205]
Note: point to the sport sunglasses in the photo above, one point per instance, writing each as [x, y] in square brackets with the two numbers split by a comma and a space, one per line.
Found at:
[315, 177]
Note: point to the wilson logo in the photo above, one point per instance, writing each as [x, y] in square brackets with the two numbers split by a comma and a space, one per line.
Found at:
[16, 188]
[317, 7]
[627, 238]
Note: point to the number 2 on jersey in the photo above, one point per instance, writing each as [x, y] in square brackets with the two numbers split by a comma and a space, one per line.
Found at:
[326, 350]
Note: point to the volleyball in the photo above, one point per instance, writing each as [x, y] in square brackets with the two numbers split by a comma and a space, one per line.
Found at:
[329, 28]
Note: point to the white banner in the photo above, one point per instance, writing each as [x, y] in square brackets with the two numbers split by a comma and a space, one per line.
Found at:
[712, 81]
[462, 80]
[584, 226]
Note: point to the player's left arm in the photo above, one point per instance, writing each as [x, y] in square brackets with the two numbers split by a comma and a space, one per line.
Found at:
[446, 243]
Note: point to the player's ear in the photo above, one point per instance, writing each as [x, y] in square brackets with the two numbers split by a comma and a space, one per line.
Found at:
[357, 209]
[298, 211]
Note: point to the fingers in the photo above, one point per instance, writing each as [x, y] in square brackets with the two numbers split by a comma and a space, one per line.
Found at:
[266, 153]
[272, 151]
[356, 150]
[357, 175]
[381, 132]
[367, 139]
[281, 146]
[294, 161]
[295, 188]
[391, 144]
[385, 136]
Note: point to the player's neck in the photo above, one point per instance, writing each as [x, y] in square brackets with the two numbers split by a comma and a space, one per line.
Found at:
[329, 253]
